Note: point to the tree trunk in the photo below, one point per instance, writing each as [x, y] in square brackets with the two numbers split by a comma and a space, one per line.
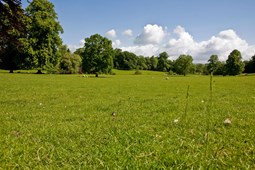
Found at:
[11, 71]
[39, 72]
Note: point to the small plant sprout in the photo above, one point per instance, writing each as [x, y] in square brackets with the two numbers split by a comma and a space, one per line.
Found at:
[227, 121]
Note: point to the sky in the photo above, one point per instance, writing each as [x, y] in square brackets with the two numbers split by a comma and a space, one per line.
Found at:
[198, 28]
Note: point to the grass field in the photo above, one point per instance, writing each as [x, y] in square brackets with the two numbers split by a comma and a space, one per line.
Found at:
[65, 122]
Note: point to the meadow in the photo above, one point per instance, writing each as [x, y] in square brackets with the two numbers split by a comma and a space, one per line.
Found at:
[65, 121]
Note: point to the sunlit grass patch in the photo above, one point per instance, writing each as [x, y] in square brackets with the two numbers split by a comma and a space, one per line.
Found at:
[66, 122]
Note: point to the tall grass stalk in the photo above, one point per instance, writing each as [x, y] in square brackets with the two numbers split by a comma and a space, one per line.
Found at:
[186, 105]
[208, 116]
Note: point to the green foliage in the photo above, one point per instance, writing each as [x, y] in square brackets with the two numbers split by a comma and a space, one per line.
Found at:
[138, 72]
[215, 66]
[43, 37]
[163, 63]
[69, 63]
[65, 122]
[199, 68]
[234, 64]
[98, 55]
[250, 65]
[12, 32]
[153, 63]
[125, 60]
[183, 64]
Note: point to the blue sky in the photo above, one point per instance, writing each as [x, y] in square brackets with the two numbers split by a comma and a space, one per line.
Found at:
[147, 27]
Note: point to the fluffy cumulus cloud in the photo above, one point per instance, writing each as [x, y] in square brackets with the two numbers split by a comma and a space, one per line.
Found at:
[116, 43]
[82, 42]
[75, 47]
[150, 42]
[144, 50]
[111, 33]
[128, 32]
[152, 34]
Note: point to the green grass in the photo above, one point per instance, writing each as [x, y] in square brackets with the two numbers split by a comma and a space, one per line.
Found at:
[65, 122]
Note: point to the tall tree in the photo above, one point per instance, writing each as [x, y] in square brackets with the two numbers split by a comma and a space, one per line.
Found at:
[12, 31]
[163, 64]
[250, 65]
[69, 63]
[213, 64]
[98, 55]
[234, 64]
[183, 64]
[43, 34]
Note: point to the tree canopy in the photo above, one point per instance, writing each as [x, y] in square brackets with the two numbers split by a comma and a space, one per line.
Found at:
[12, 30]
[98, 55]
[43, 37]
[234, 64]
[183, 64]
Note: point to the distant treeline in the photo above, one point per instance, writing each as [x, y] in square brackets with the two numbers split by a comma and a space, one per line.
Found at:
[29, 39]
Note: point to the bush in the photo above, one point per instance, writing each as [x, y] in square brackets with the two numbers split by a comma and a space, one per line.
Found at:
[70, 63]
[138, 72]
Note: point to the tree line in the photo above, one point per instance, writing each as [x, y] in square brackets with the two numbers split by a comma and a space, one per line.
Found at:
[29, 39]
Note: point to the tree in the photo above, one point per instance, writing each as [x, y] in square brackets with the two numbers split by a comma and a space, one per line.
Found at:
[250, 65]
[12, 30]
[125, 60]
[98, 55]
[69, 63]
[213, 64]
[199, 68]
[163, 64]
[234, 64]
[183, 64]
[141, 63]
[153, 63]
[43, 37]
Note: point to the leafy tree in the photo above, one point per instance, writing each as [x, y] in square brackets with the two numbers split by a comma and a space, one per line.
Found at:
[199, 68]
[234, 64]
[69, 63]
[79, 51]
[221, 69]
[183, 64]
[250, 65]
[43, 37]
[141, 63]
[98, 55]
[125, 60]
[153, 63]
[12, 30]
[213, 64]
[163, 64]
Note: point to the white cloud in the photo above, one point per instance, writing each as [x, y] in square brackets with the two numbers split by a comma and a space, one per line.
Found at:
[128, 32]
[82, 42]
[144, 50]
[150, 42]
[72, 47]
[116, 43]
[152, 34]
[111, 33]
